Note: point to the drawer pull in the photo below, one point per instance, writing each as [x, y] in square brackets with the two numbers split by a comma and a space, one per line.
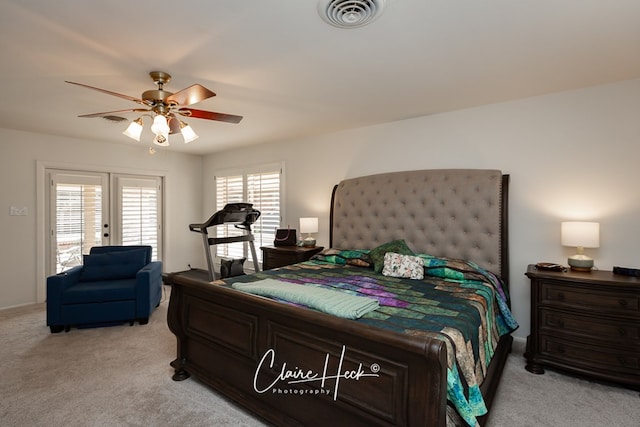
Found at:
[623, 332]
[622, 361]
[623, 302]
[560, 296]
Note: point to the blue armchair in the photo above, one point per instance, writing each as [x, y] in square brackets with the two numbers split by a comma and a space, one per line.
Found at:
[115, 284]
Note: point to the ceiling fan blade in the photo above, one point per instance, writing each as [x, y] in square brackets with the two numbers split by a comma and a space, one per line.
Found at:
[108, 92]
[191, 95]
[209, 115]
[110, 113]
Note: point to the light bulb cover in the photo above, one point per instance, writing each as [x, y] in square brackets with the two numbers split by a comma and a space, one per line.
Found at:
[187, 133]
[160, 125]
[134, 130]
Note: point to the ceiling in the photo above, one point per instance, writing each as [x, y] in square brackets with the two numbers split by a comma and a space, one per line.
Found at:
[288, 72]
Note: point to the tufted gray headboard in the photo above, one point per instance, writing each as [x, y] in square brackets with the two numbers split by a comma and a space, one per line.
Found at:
[455, 213]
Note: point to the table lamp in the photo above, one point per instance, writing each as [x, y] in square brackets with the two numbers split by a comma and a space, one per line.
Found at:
[308, 225]
[580, 235]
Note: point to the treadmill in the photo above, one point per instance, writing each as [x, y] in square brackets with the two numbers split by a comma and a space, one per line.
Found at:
[242, 215]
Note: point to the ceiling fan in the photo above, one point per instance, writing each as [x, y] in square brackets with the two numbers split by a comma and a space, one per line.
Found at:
[165, 107]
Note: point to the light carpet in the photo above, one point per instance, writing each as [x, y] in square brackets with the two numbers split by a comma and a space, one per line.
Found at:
[120, 376]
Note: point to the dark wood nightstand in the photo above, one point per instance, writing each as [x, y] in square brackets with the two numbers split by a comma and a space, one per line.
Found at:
[279, 256]
[585, 323]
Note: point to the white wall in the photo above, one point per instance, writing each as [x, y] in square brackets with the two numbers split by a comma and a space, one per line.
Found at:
[572, 155]
[23, 153]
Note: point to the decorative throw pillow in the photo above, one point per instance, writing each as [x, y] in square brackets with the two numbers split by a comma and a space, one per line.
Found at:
[396, 246]
[408, 266]
[112, 265]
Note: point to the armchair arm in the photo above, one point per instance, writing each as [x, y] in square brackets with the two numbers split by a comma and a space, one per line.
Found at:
[148, 288]
[55, 286]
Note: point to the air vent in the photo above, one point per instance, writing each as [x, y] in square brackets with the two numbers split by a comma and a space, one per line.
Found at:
[350, 13]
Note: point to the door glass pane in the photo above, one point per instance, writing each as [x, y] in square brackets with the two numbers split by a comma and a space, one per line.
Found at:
[78, 222]
[139, 213]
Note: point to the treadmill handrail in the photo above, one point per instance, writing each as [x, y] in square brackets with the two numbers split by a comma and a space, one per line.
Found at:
[232, 213]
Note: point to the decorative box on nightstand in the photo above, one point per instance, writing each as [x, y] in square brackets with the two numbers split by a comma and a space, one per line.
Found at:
[587, 323]
[279, 256]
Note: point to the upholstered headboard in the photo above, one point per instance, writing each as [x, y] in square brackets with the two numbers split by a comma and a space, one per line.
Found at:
[455, 213]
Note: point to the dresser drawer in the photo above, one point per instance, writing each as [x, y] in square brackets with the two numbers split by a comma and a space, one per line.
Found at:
[554, 293]
[605, 329]
[590, 357]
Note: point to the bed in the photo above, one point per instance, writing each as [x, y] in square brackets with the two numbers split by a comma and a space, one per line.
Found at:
[295, 366]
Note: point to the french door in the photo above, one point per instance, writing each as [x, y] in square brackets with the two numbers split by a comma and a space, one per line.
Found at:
[89, 209]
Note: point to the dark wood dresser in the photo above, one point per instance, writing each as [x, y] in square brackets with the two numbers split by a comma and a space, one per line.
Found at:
[279, 256]
[585, 323]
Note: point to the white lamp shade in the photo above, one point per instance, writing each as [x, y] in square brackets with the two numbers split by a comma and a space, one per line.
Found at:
[187, 133]
[160, 125]
[134, 130]
[308, 225]
[580, 234]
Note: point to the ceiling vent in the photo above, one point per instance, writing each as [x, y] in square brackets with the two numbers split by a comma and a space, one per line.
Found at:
[350, 13]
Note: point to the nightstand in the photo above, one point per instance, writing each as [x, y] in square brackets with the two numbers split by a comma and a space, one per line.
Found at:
[279, 256]
[587, 323]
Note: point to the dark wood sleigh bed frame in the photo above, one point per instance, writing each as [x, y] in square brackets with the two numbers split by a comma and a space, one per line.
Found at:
[223, 335]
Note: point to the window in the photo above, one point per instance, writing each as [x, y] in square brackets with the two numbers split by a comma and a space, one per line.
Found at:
[260, 186]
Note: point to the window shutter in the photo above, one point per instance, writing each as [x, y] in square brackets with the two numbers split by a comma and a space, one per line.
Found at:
[139, 212]
[139, 216]
[78, 222]
[262, 189]
[229, 189]
[264, 192]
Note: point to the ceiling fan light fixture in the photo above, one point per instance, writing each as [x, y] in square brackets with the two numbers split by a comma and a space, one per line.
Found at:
[135, 129]
[187, 133]
[160, 125]
[163, 106]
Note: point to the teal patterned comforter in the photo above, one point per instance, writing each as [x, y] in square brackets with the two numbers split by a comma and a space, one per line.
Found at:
[457, 302]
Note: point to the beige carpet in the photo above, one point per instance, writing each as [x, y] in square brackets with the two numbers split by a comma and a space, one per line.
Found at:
[120, 376]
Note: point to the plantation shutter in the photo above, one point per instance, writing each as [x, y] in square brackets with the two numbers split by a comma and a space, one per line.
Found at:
[139, 213]
[263, 190]
[77, 218]
[229, 189]
[261, 187]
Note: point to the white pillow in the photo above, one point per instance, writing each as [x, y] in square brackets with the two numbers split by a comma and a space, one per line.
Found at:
[407, 266]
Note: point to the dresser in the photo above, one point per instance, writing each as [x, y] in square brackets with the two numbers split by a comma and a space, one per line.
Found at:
[587, 323]
[279, 256]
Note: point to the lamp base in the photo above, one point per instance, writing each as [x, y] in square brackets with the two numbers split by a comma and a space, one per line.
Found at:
[308, 242]
[580, 263]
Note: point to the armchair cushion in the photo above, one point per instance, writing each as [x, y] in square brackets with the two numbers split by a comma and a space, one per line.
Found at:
[105, 290]
[112, 265]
